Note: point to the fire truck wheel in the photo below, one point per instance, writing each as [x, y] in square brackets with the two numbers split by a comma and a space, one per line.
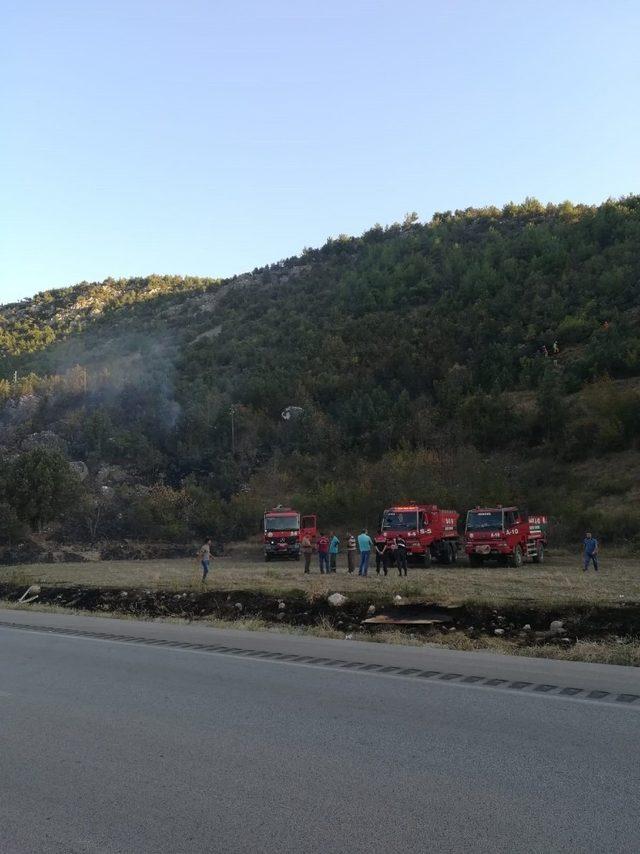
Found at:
[539, 555]
[516, 557]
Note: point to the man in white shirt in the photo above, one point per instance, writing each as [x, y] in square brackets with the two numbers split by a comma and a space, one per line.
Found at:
[205, 556]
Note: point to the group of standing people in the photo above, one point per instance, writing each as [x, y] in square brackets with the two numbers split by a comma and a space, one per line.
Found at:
[327, 549]
[388, 553]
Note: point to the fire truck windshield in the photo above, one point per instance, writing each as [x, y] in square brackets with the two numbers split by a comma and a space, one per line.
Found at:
[400, 520]
[281, 523]
[484, 520]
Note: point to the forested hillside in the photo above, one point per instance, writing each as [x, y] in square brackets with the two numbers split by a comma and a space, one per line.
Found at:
[488, 355]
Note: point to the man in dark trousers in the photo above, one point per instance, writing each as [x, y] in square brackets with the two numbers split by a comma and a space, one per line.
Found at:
[351, 553]
[380, 544]
[323, 553]
[401, 554]
[334, 547]
[590, 552]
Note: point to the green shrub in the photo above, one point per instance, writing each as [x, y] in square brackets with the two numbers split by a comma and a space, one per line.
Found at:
[574, 330]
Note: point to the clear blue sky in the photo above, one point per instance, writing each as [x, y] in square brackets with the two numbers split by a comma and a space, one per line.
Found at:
[210, 137]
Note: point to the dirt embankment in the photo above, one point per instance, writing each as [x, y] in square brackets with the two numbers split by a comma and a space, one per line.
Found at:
[530, 626]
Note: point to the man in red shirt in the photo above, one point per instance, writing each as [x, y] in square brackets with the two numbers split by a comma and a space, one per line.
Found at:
[323, 553]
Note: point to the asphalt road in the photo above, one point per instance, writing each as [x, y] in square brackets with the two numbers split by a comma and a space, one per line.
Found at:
[114, 745]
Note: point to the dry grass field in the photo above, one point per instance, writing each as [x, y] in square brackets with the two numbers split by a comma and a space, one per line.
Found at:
[558, 582]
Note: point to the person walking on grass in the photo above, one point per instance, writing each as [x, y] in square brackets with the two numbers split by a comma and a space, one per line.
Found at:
[307, 551]
[401, 555]
[365, 544]
[590, 552]
[323, 553]
[351, 553]
[334, 547]
[205, 557]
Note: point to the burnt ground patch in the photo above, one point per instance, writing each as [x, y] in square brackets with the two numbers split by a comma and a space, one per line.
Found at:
[525, 625]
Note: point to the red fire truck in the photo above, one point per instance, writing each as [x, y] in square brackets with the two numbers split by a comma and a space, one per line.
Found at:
[283, 531]
[430, 533]
[505, 534]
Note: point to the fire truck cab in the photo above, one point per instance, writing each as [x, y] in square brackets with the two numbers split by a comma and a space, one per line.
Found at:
[284, 529]
[430, 532]
[505, 534]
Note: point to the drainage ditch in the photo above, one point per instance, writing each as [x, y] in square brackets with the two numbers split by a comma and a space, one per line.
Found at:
[526, 625]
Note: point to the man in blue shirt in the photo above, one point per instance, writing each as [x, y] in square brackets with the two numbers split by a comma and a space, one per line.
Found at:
[365, 544]
[590, 552]
[334, 545]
